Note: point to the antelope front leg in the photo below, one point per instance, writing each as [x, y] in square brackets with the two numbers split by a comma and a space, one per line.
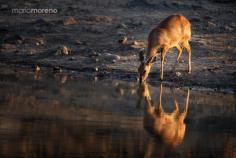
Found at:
[178, 57]
[188, 48]
[163, 54]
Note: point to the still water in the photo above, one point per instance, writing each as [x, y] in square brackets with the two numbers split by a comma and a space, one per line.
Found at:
[65, 116]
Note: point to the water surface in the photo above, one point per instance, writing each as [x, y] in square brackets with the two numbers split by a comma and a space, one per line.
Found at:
[64, 116]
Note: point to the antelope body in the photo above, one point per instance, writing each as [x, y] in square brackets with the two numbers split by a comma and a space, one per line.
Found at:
[174, 31]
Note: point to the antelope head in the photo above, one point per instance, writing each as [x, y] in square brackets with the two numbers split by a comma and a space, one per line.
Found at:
[144, 67]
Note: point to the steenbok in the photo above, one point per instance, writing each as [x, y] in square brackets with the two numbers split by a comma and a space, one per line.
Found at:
[174, 31]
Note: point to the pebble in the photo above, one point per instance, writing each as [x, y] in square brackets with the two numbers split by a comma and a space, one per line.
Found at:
[37, 68]
[3, 6]
[123, 40]
[57, 69]
[65, 50]
[178, 74]
[111, 56]
[122, 26]
[70, 21]
[227, 28]
[211, 24]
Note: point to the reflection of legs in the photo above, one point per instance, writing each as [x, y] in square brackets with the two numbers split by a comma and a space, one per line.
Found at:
[160, 108]
[184, 113]
[150, 148]
[163, 54]
[188, 48]
[178, 57]
[176, 111]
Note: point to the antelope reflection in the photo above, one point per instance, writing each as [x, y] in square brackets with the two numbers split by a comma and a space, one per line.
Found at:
[169, 128]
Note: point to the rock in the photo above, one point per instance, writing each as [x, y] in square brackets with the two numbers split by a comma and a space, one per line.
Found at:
[57, 69]
[79, 42]
[122, 26]
[37, 68]
[63, 79]
[227, 28]
[215, 67]
[111, 57]
[70, 21]
[100, 18]
[27, 4]
[138, 44]
[72, 58]
[121, 33]
[211, 24]
[123, 40]
[96, 69]
[14, 39]
[3, 7]
[178, 74]
[65, 50]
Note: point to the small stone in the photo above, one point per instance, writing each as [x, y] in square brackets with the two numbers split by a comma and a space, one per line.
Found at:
[63, 79]
[122, 26]
[57, 69]
[227, 28]
[110, 56]
[181, 61]
[178, 74]
[205, 68]
[97, 60]
[211, 24]
[79, 42]
[37, 44]
[70, 21]
[121, 33]
[96, 69]
[37, 68]
[113, 61]
[100, 18]
[138, 44]
[41, 42]
[72, 58]
[65, 50]
[123, 40]
[3, 6]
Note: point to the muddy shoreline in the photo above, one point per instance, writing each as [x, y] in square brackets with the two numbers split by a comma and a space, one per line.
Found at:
[91, 32]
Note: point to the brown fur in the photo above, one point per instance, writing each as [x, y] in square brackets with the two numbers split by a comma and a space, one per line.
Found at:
[174, 31]
[169, 127]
